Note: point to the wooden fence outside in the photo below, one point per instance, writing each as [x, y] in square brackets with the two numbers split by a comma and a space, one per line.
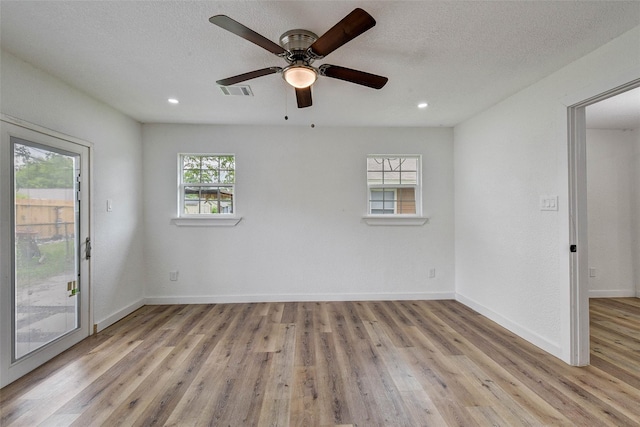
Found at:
[41, 219]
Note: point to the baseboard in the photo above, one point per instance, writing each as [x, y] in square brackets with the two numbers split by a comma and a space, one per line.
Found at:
[113, 318]
[532, 337]
[615, 293]
[229, 299]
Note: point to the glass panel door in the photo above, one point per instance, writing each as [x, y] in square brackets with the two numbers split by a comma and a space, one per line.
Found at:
[46, 245]
[45, 305]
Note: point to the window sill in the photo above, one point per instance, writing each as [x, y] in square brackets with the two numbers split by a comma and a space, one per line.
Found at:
[395, 220]
[225, 221]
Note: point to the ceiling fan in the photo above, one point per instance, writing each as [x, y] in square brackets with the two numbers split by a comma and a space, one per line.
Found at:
[300, 48]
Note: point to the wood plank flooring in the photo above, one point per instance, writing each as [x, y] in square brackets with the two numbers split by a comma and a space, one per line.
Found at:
[406, 363]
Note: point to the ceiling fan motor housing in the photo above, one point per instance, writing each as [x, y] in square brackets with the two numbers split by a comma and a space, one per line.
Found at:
[297, 42]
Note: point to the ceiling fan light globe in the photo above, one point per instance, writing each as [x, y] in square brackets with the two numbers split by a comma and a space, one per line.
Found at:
[300, 76]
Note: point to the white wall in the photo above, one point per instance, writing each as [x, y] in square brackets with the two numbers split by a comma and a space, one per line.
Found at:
[512, 260]
[302, 194]
[611, 192]
[117, 262]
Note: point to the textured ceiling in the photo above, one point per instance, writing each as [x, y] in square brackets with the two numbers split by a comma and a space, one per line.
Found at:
[459, 56]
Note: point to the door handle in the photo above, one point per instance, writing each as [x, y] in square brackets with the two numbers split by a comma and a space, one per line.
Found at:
[87, 249]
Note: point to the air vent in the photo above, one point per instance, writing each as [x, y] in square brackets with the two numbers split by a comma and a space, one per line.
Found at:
[236, 90]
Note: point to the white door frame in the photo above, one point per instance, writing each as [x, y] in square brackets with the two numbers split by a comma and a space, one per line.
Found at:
[11, 370]
[578, 229]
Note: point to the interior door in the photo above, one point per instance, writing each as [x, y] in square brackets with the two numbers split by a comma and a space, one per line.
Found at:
[48, 305]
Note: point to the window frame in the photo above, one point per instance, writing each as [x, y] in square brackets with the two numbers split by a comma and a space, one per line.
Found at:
[384, 202]
[395, 218]
[198, 219]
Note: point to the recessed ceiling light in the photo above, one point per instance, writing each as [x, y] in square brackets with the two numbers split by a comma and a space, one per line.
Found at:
[172, 101]
[423, 105]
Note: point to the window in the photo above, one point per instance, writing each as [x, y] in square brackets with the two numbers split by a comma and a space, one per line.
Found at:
[393, 185]
[207, 184]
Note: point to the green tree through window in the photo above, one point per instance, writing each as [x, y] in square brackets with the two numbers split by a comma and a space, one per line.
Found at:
[207, 184]
[36, 170]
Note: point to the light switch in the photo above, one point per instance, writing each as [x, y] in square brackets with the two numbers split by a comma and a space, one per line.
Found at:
[109, 205]
[548, 203]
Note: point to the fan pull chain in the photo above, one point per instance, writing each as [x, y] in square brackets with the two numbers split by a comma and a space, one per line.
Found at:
[286, 109]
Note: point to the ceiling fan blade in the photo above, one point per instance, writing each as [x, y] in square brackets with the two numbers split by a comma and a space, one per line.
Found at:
[246, 33]
[248, 76]
[353, 76]
[351, 26]
[303, 96]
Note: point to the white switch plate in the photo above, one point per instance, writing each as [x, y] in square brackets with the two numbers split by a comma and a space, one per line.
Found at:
[173, 276]
[548, 203]
[592, 272]
[109, 205]
[432, 273]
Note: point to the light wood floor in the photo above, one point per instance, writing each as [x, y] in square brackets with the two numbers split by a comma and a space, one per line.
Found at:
[410, 363]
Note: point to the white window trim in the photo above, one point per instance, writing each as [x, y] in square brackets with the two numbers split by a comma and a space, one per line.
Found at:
[396, 219]
[204, 220]
[221, 220]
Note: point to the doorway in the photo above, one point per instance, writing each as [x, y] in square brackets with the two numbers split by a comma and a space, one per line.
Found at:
[578, 231]
[45, 246]
[613, 147]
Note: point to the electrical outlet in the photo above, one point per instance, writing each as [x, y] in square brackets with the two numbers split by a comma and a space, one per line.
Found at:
[173, 276]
